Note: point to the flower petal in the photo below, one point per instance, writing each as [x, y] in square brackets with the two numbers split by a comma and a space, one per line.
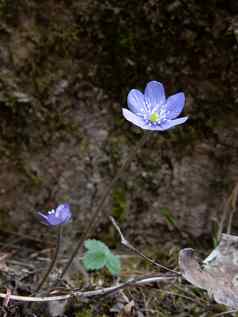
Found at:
[136, 101]
[50, 219]
[54, 221]
[172, 123]
[154, 95]
[174, 105]
[43, 217]
[63, 212]
[138, 121]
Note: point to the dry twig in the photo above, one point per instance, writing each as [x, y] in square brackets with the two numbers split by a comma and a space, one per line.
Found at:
[91, 294]
[132, 248]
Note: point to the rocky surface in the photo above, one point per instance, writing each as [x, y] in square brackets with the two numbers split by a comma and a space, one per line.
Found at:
[66, 68]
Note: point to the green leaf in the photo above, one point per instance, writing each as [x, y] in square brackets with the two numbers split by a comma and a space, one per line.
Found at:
[95, 245]
[113, 264]
[99, 255]
[94, 260]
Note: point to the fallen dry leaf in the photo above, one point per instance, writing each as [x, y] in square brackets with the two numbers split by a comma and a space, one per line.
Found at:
[218, 274]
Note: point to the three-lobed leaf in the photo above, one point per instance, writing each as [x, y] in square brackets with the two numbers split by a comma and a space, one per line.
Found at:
[99, 255]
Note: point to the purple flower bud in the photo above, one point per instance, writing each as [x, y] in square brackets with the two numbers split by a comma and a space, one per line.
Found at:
[59, 216]
[151, 110]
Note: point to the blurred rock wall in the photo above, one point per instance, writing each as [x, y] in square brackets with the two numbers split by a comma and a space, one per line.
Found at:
[65, 70]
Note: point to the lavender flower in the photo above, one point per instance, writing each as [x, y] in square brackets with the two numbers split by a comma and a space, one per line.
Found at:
[59, 216]
[151, 110]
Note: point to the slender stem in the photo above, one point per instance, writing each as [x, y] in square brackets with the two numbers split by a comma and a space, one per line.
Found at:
[53, 261]
[233, 200]
[127, 244]
[99, 207]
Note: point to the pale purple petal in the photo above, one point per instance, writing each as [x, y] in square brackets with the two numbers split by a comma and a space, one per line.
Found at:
[63, 212]
[50, 219]
[54, 221]
[154, 94]
[175, 105]
[153, 128]
[171, 123]
[44, 217]
[136, 101]
[138, 121]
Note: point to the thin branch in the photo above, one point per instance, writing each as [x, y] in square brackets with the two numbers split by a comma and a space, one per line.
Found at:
[53, 261]
[230, 203]
[97, 211]
[228, 312]
[132, 248]
[223, 219]
[233, 200]
[90, 294]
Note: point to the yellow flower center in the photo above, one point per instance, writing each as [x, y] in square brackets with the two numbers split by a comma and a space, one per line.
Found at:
[154, 117]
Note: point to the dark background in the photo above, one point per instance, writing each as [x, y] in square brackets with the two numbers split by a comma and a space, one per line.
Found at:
[66, 68]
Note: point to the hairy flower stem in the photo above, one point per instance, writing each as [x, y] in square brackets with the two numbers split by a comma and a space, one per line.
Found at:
[52, 264]
[99, 207]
